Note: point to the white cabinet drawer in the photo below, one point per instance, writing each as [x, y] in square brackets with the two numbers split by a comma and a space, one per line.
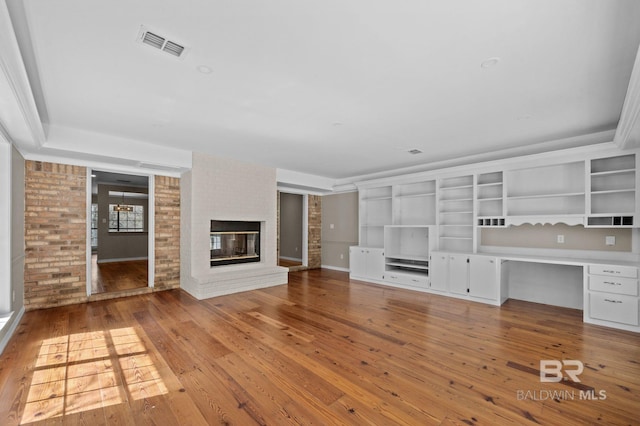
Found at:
[614, 270]
[616, 285]
[616, 308]
[406, 279]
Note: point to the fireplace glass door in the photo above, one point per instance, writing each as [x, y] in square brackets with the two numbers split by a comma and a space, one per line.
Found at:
[234, 242]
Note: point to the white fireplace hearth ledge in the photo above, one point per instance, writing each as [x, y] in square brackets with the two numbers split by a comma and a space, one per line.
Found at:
[224, 280]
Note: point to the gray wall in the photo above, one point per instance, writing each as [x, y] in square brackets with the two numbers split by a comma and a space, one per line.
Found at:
[113, 245]
[341, 211]
[291, 226]
[545, 236]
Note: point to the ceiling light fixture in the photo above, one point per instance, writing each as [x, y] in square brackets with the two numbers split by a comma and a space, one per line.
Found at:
[414, 151]
[490, 62]
[204, 69]
[122, 207]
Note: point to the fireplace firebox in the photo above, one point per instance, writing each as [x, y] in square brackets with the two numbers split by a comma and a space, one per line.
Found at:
[234, 242]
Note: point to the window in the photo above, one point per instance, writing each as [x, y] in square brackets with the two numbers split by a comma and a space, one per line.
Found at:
[132, 221]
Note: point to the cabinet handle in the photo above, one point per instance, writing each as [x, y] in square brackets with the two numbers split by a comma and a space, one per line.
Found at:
[610, 271]
[613, 301]
[415, 281]
[612, 283]
[393, 276]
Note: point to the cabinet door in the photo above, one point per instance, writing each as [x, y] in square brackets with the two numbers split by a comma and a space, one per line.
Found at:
[438, 271]
[458, 273]
[375, 264]
[357, 261]
[483, 277]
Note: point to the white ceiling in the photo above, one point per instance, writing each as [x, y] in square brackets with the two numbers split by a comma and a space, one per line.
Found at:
[329, 88]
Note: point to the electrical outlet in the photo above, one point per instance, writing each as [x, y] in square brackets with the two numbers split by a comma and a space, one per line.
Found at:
[341, 256]
[331, 226]
[560, 239]
[610, 240]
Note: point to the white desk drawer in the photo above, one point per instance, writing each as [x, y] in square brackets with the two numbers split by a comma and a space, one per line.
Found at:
[616, 285]
[614, 270]
[616, 308]
[406, 279]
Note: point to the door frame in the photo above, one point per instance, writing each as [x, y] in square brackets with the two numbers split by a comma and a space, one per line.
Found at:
[151, 208]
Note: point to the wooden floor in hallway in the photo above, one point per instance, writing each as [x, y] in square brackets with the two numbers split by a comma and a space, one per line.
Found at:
[320, 350]
[118, 276]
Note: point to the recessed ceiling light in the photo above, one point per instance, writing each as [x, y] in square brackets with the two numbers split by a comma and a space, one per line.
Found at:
[337, 123]
[490, 62]
[204, 69]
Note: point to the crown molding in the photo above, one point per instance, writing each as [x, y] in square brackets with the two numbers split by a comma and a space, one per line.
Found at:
[16, 82]
[628, 132]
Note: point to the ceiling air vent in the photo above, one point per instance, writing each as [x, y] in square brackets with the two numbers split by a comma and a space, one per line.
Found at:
[160, 42]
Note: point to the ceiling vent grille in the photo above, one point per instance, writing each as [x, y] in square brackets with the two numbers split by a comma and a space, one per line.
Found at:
[159, 42]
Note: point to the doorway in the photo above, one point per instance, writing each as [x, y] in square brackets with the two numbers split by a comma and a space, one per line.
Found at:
[293, 227]
[120, 224]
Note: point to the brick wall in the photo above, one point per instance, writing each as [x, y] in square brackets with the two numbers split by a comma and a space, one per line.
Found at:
[315, 231]
[167, 232]
[55, 235]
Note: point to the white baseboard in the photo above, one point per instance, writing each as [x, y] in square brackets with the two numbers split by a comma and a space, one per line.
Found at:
[293, 259]
[334, 268]
[123, 259]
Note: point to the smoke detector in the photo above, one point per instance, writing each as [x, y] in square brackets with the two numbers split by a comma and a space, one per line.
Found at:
[160, 42]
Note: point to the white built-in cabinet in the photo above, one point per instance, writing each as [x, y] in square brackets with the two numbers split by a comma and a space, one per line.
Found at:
[423, 231]
[477, 277]
[366, 263]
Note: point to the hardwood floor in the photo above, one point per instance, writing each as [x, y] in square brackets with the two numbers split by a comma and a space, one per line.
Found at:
[320, 350]
[118, 276]
[288, 263]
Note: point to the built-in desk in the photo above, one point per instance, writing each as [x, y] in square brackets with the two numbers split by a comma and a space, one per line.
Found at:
[606, 291]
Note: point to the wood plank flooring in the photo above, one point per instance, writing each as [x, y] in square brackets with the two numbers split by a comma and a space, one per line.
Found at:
[320, 350]
[118, 276]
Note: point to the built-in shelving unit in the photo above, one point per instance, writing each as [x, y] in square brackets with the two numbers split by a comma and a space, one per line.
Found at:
[547, 194]
[407, 249]
[456, 213]
[375, 213]
[490, 200]
[613, 191]
[414, 203]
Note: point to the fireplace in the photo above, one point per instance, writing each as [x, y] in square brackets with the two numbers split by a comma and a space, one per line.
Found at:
[233, 241]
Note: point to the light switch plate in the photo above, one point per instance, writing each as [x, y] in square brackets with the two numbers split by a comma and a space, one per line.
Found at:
[560, 239]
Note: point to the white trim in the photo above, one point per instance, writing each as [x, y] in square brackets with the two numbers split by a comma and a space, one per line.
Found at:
[6, 299]
[151, 227]
[13, 324]
[305, 230]
[628, 131]
[334, 268]
[293, 259]
[122, 259]
[12, 66]
[88, 229]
